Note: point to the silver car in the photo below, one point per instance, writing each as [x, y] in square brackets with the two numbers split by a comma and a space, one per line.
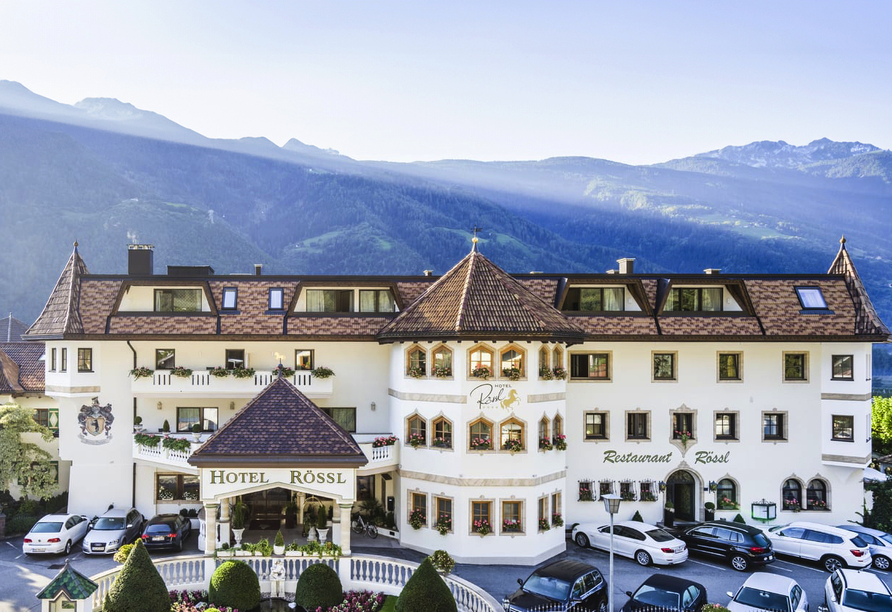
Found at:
[112, 530]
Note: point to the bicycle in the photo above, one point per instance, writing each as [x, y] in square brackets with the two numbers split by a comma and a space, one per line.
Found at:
[359, 525]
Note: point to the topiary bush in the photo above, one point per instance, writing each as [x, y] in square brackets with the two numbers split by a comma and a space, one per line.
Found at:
[637, 517]
[123, 553]
[319, 587]
[234, 584]
[739, 519]
[426, 591]
[138, 586]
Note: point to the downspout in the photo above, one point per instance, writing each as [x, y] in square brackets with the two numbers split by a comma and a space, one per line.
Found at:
[133, 471]
[134, 353]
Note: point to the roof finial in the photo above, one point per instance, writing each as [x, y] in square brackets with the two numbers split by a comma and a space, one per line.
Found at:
[843, 239]
[475, 240]
[75, 245]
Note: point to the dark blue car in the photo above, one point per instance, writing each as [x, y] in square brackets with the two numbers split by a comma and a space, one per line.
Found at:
[565, 585]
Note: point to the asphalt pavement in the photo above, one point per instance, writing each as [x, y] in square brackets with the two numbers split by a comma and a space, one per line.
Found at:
[21, 577]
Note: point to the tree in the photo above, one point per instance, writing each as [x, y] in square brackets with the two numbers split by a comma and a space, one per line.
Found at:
[138, 586]
[882, 425]
[22, 461]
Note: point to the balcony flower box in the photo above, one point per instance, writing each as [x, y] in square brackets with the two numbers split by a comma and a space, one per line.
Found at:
[148, 440]
[442, 371]
[384, 441]
[512, 445]
[482, 527]
[481, 372]
[284, 370]
[219, 372]
[559, 373]
[138, 373]
[417, 519]
[512, 373]
[441, 443]
[243, 372]
[415, 440]
[322, 372]
[559, 441]
[545, 444]
[544, 525]
[557, 520]
[481, 444]
[511, 526]
[181, 372]
[546, 373]
[176, 444]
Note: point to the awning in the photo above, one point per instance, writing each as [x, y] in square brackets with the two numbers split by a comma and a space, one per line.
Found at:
[874, 475]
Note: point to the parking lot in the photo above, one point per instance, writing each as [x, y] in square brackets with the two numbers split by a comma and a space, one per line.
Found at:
[22, 576]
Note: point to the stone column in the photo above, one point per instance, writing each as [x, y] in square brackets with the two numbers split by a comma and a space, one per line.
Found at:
[346, 509]
[224, 520]
[301, 498]
[210, 533]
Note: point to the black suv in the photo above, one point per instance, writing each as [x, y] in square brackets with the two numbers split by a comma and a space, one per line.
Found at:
[562, 585]
[740, 545]
[166, 531]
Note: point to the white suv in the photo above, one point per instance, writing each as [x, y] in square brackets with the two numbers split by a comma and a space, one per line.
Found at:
[851, 591]
[833, 547]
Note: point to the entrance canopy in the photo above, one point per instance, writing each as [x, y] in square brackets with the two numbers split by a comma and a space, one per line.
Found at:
[280, 438]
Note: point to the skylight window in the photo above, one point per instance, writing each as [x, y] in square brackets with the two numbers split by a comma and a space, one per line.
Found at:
[276, 298]
[811, 298]
[229, 298]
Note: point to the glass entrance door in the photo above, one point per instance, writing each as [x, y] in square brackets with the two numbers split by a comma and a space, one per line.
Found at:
[680, 489]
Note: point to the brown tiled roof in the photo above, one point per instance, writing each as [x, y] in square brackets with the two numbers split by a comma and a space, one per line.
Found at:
[410, 290]
[778, 307]
[323, 326]
[97, 301]
[617, 325]
[867, 321]
[12, 330]
[474, 299]
[20, 368]
[709, 326]
[280, 426]
[253, 300]
[163, 324]
[545, 288]
[61, 315]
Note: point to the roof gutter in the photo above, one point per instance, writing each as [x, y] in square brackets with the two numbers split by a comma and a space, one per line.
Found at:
[134, 353]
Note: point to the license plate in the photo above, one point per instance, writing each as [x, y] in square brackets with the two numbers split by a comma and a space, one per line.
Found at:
[37, 549]
[98, 546]
[158, 538]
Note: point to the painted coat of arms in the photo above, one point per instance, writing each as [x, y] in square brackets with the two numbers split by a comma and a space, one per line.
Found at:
[96, 423]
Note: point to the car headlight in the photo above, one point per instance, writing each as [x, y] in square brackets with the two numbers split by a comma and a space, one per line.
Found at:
[112, 543]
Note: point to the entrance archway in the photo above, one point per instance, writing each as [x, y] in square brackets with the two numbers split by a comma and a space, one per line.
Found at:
[681, 490]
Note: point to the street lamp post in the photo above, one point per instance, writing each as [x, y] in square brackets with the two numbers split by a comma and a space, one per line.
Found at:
[611, 505]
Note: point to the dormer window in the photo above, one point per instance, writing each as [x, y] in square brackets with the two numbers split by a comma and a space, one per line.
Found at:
[811, 298]
[694, 299]
[594, 299]
[177, 300]
[230, 298]
[375, 300]
[329, 300]
[276, 298]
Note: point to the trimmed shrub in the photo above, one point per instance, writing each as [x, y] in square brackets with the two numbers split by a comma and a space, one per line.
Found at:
[739, 519]
[123, 553]
[426, 591]
[138, 586]
[319, 587]
[234, 584]
[280, 540]
[22, 523]
[637, 517]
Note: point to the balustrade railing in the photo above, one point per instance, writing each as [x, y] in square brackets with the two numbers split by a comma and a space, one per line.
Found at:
[162, 382]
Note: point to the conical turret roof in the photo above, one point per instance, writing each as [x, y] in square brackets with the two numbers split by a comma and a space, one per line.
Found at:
[477, 299]
[61, 315]
[867, 321]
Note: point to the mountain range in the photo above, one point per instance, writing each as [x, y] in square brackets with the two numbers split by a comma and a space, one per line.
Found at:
[106, 173]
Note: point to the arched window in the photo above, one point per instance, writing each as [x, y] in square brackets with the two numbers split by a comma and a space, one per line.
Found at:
[442, 359]
[544, 436]
[557, 357]
[442, 433]
[416, 430]
[511, 362]
[416, 362]
[558, 425]
[511, 435]
[792, 495]
[543, 360]
[726, 495]
[816, 495]
[480, 361]
[480, 435]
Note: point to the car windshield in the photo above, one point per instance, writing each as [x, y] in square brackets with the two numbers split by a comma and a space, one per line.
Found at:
[47, 528]
[761, 540]
[765, 600]
[869, 602]
[108, 523]
[647, 594]
[159, 528]
[547, 586]
[660, 535]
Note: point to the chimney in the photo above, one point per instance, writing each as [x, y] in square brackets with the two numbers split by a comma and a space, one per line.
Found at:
[140, 259]
[258, 269]
[626, 265]
[428, 272]
[712, 271]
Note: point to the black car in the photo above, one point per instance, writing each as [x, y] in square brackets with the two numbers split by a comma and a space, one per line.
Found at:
[166, 531]
[666, 593]
[566, 583]
[740, 545]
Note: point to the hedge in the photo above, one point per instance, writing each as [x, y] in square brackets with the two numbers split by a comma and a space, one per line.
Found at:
[138, 586]
[319, 587]
[234, 584]
[426, 591]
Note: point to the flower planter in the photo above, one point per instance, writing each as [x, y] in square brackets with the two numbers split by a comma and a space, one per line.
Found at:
[225, 553]
[243, 553]
[323, 534]
[293, 553]
[279, 550]
[237, 534]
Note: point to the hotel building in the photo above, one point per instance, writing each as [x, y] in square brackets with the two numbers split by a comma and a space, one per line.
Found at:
[513, 401]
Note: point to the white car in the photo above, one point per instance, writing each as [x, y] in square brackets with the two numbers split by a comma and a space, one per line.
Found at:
[764, 591]
[643, 542]
[831, 546]
[853, 591]
[55, 533]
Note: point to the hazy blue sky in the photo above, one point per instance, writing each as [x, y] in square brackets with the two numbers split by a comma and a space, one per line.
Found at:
[636, 82]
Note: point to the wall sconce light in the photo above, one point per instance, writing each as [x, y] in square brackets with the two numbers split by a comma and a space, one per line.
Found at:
[232, 405]
[662, 486]
[160, 406]
[374, 406]
[713, 485]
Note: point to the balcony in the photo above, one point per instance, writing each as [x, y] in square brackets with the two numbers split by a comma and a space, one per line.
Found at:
[203, 384]
[381, 459]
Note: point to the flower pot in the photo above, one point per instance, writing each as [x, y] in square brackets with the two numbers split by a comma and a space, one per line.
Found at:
[196, 437]
[237, 534]
[311, 536]
[323, 535]
[258, 553]
[225, 553]
[242, 553]
[279, 550]
[668, 517]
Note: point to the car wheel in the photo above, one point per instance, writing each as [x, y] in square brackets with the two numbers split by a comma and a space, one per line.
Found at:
[881, 563]
[602, 607]
[739, 563]
[581, 540]
[831, 564]
[642, 558]
[180, 546]
[68, 547]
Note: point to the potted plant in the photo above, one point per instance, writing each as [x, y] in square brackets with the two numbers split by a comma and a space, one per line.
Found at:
[544, 525]
[417, 519]
[244, 550]
[481, 444]
[512, 445]
[545, 373]
[293, 550]
[710, 511]
[219, 372]
[180, 372]
[557, 520]
[482, 527]
[196, 432]
[322, 525]
[669, 514]
[415, 372]
[511, 525]
[239, 516]
[559, 441]
[322, 372]
[263, 548]
[511, 373]
[545, 444]
[559, 373]
[166, 426]
[279, 544]
[444, 525]
[225, 551]
[137, 424]
[415, 440]
[138, 373]
[481, 372]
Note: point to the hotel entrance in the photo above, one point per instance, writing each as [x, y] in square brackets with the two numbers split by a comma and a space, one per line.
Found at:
[680, 490]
